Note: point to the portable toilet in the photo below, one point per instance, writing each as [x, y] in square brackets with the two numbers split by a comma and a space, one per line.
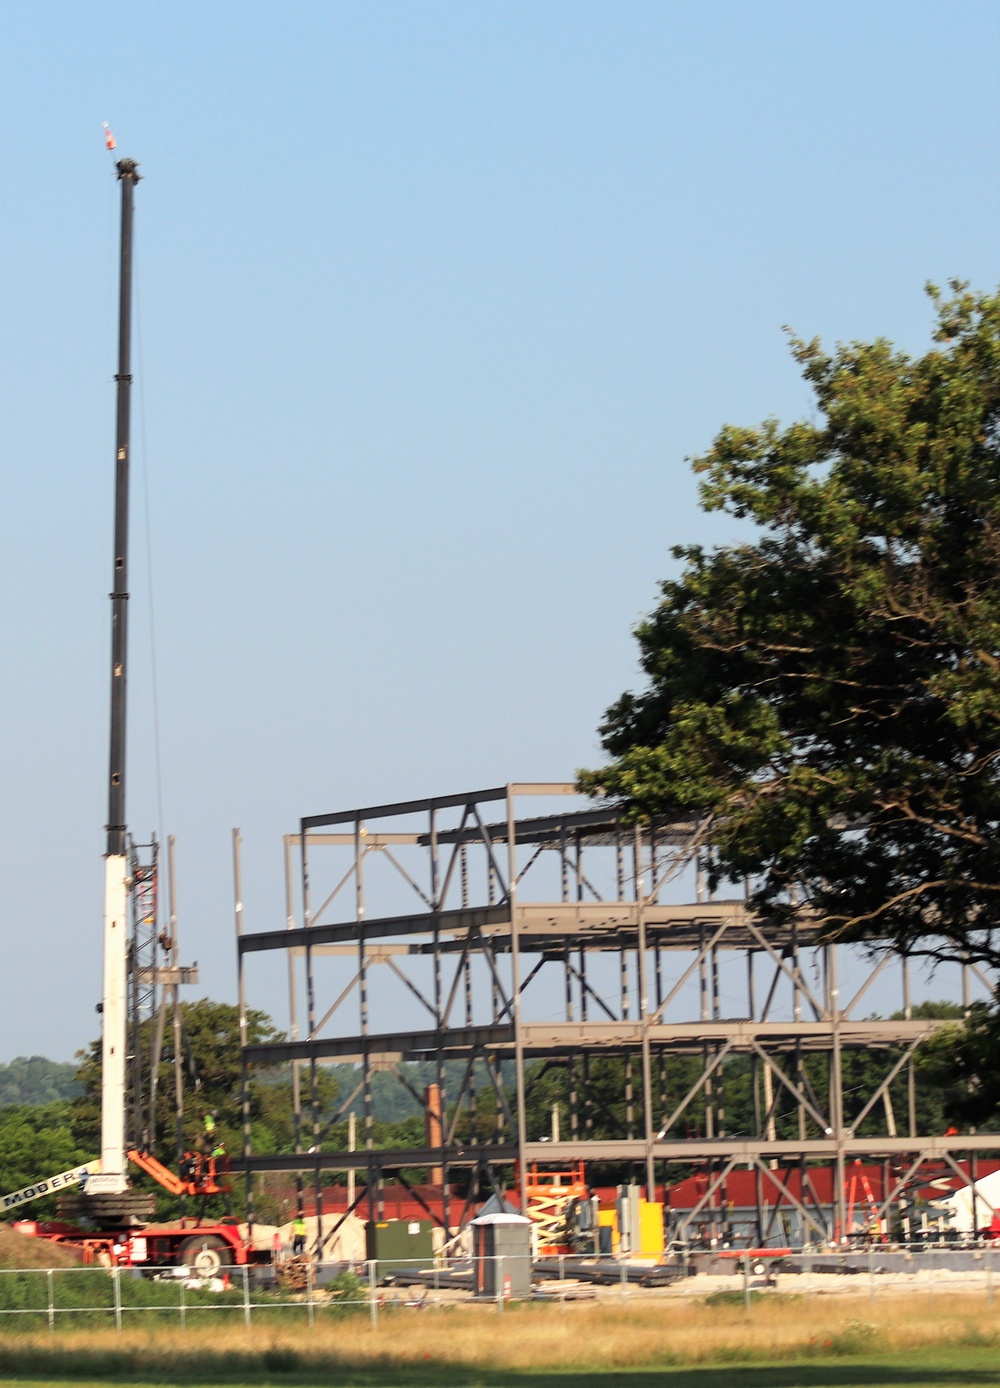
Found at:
[501, 1254]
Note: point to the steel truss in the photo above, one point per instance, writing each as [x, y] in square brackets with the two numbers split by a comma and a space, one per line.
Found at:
[143, 947]
[154, 977]
[460, 929]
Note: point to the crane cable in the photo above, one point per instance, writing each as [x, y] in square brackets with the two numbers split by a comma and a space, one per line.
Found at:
[144, 474]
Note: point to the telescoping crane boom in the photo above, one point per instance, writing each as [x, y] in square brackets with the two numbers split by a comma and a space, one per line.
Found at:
[118, 1148]
[49, 1186]
[107, 1176]
[112, 1178]
[111, 1211]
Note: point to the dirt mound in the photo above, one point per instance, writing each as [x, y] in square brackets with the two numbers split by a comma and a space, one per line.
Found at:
[22, 1251]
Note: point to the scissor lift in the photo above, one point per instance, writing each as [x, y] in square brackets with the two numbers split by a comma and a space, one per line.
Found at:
[549, 1195]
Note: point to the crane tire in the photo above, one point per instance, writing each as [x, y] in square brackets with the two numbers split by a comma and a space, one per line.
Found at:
[205, 1254]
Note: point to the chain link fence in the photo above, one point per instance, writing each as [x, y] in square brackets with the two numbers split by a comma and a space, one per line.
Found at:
[36, 1299]
[120, 1297]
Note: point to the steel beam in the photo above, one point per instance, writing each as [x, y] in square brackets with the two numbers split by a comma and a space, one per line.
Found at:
[451, 922]
[386, 1160]
[410, 1045]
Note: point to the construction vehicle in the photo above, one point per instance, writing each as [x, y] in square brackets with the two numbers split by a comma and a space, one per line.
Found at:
[108, 1220]
[554, 1199]
[117, 1238]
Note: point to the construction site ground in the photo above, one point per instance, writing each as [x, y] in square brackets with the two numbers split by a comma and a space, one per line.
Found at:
[925, 1284]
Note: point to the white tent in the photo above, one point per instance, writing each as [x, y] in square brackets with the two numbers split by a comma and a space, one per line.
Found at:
[958, 1205]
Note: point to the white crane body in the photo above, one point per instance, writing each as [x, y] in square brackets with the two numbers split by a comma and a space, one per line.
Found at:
[112, 1179]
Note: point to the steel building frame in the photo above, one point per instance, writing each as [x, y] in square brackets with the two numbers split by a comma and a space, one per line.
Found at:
[488, 922]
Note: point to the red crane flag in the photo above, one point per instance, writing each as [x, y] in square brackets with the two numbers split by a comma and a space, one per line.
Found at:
[109, 139]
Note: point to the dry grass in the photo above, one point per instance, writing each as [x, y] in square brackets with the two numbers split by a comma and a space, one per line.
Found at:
[19, 1251]
[528, 1337]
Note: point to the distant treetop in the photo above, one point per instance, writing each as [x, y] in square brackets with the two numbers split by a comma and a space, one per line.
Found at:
[33, 1080]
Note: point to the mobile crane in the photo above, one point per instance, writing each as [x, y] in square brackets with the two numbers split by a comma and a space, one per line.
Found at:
[115, 1217]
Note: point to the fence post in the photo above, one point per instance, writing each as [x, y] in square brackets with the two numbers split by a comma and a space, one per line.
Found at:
[310, 1306]
[372, 1293]
[246, 1295]
[989, 1273]
[498, 1279]
[183, 1306]
[52, 1309]
[871, 1274]
[116, 1282]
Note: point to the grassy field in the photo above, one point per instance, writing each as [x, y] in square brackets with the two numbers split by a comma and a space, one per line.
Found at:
[784, 1342]
[894, 1372]
[967, 1369]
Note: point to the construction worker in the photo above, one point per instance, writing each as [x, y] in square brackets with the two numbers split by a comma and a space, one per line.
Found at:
[207, 1140]
[299, 1235]
[217, 1170]
[217, 1159]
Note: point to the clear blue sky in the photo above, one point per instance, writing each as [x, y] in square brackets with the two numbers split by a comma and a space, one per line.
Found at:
[435, 301]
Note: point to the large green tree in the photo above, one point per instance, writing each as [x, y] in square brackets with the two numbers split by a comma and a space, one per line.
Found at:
[825, 696]
[213, 1082]
[212, 1076]
[36, 1141]
[212, 1079]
